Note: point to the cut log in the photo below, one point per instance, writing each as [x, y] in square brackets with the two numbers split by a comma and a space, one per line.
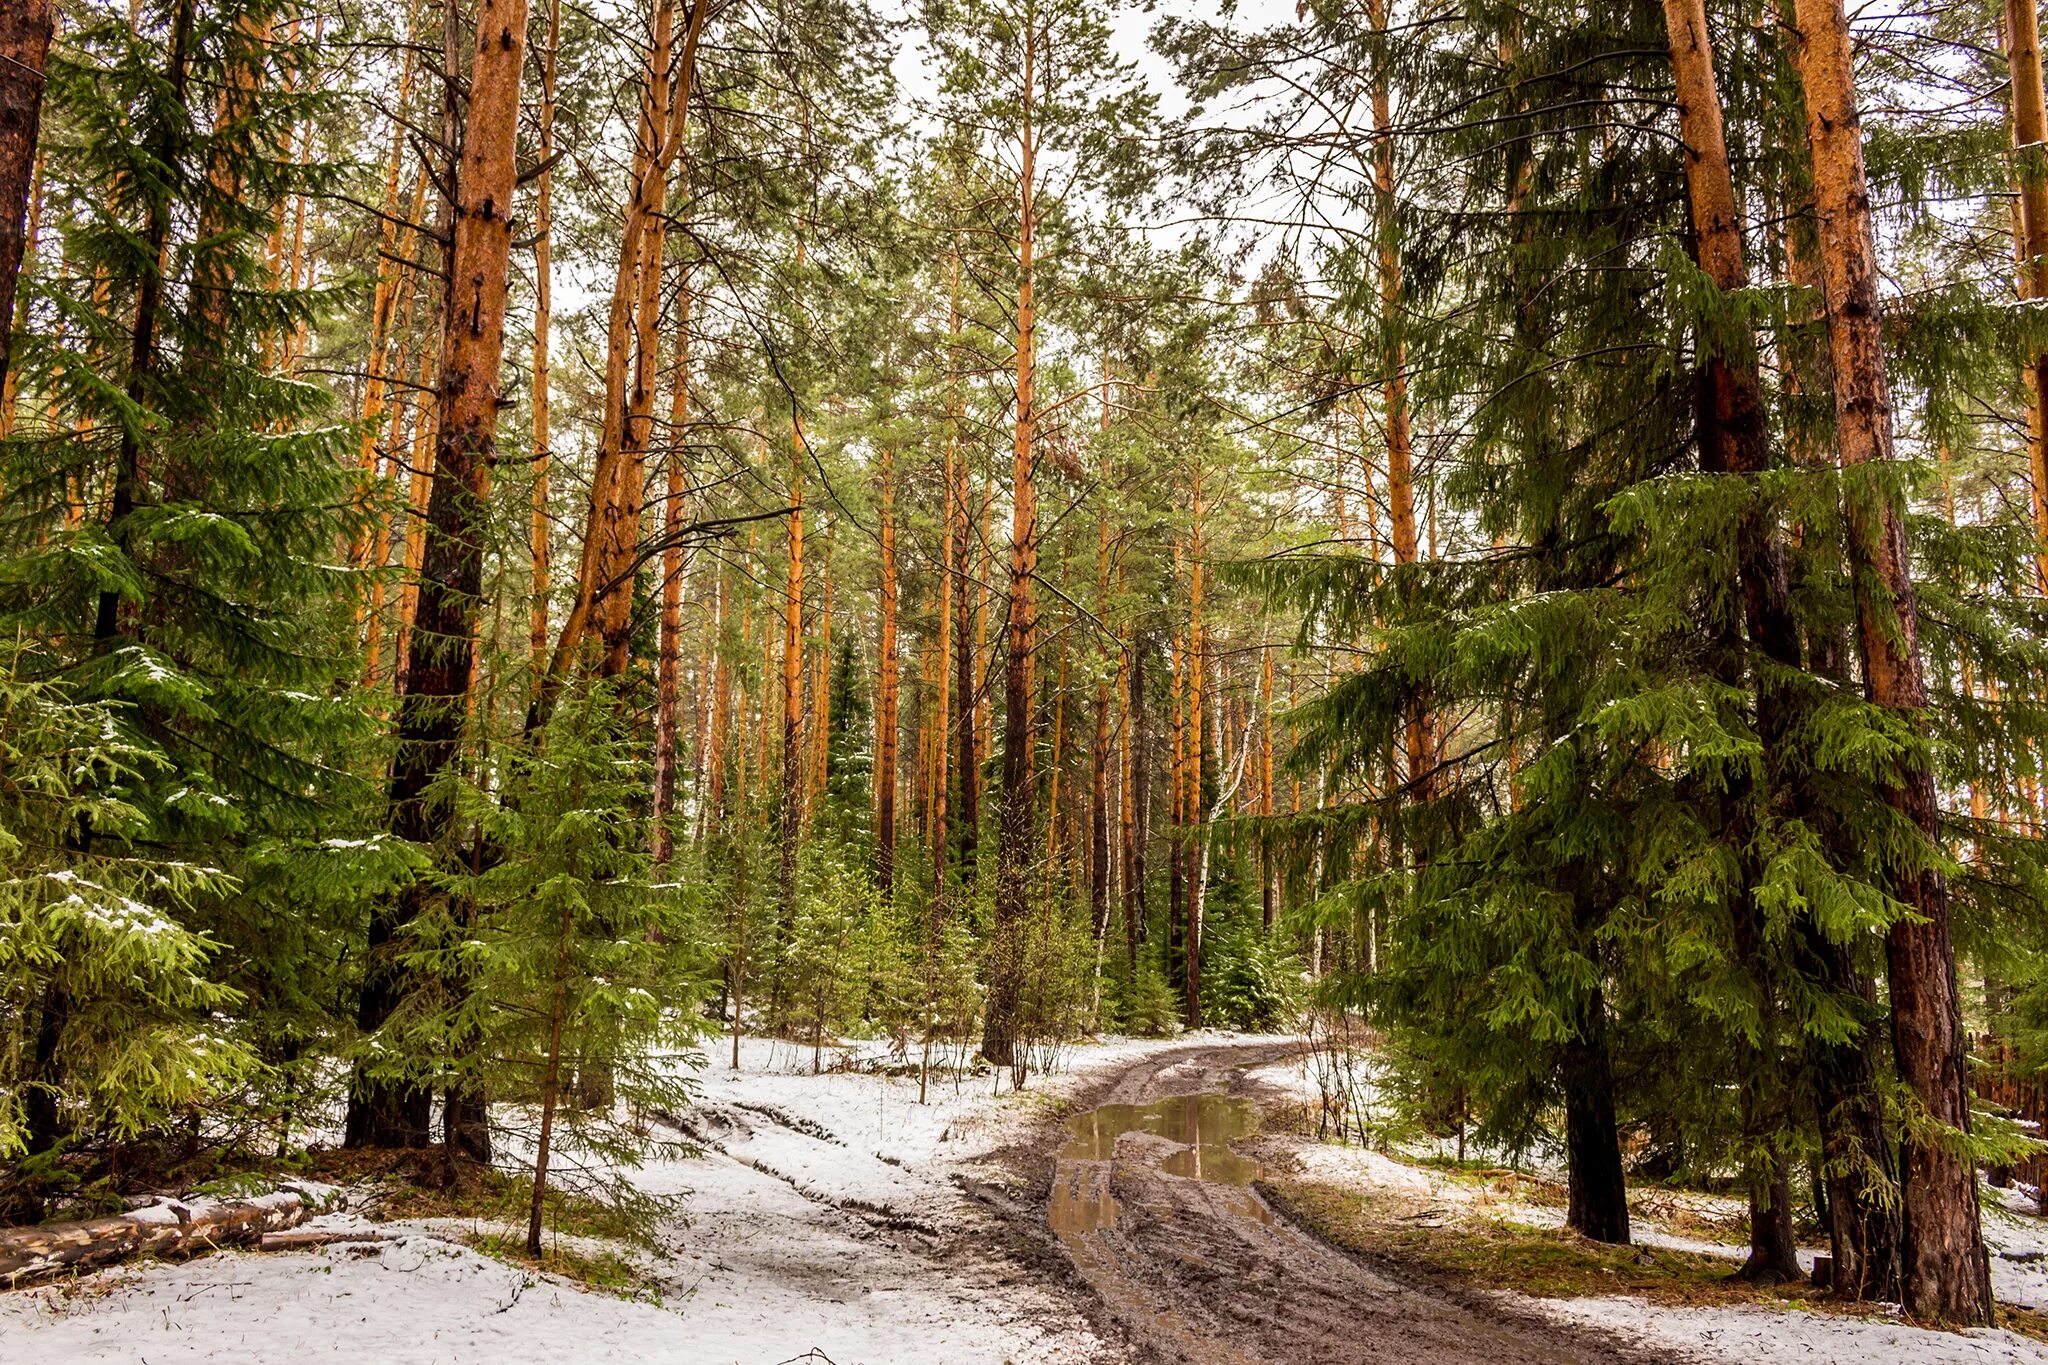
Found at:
[298, 1239]
[167, 1228]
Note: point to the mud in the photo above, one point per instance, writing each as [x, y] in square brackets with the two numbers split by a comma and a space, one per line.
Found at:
[1160, 1217]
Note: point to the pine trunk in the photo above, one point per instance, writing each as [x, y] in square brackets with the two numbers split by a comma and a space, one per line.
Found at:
[1014, 834]
[1733, 442]
[791, 804]
[433, 693]
[607, 569]
[1946, 1276]
[541, 523]
[885, 706]
[26, 27]
[1598, 1194]
[2030, 155]
[669, 668]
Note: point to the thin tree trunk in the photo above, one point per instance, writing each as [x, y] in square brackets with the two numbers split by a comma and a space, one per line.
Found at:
[1014, 840]
[1946, 1276]
[1266, 787]
[792, 802]
[550, 1085]
[605, 574]
[670, 664]
[885, 706]
[2030, 146]
[1421, 740]
[541, 524]
[433, 694]
[966, 698]
[130, 476]
[1733, 441]
[1194, 797]
[26, 28]
[821, 683]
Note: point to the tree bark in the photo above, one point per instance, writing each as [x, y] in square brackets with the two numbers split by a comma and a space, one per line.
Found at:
[1733, 441]
[792, 799]
[1014, 841]
[885, 706]
[434, 691]
[1946, 1275]
[669, 668]
[169, 1228]
[605, 574]
[2030, 156]
[1598, 1194]
[26, 28]
[130, 476]
[542, 523]
[1194, 795]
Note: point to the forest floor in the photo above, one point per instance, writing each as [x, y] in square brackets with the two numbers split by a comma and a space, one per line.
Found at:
[831, 1217]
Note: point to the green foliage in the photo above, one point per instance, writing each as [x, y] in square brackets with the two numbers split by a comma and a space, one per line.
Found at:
[563, 953]
[109, 1024]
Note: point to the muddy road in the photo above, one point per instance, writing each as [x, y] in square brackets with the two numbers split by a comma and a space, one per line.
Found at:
[1160, 1218]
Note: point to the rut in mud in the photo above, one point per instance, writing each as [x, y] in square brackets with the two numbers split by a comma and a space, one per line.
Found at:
[1159, 1216]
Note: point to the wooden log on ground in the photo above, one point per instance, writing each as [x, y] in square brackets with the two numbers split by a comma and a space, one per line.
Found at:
[166, 1228]
[299, 1239]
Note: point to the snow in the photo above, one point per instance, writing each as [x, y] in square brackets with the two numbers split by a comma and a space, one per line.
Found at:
[821, 1216]
[1720, 1335]
[825, 1215]
[2018, 1239]
[1748, 1334]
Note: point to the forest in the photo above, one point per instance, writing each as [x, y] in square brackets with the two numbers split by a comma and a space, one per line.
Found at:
[595, 593]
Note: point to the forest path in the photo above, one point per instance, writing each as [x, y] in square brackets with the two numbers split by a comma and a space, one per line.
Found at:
[1205, 1270]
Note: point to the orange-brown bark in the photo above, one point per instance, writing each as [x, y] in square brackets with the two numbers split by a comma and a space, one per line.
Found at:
[1943, 1264]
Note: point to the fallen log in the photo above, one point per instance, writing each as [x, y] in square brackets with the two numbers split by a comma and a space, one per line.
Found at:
[168, 1227]
[300, 1238]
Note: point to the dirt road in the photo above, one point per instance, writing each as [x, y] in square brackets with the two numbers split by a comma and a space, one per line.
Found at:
[1204, 1270]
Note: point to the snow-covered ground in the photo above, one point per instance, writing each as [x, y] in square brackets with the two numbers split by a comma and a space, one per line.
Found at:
[823, 1223]
[821, 1217]
[2016, 1237]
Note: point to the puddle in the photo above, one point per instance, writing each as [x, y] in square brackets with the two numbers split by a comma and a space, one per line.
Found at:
[1202, 1126]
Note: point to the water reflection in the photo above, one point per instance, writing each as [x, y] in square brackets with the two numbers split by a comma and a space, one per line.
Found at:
[1202, 1126]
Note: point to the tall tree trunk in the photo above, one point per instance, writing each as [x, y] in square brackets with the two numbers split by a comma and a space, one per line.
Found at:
[669, 685]
[966, 699]
[2030, 147]
[433, 693]
[942, 722]
[821, 682]
[1421, 727]
[26, 28]
[885, 706]
[1946, 1275]
[1139, 792]
[605, 574]
[1099, 756]
[792, 800]
[1266, 787]
[1176, 795]
[541, 524]
[1014, 842]
[1194, 795]
[1733, 441]
[130, 476]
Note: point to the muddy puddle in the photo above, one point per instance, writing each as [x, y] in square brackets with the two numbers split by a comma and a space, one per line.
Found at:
[1201, 1129]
